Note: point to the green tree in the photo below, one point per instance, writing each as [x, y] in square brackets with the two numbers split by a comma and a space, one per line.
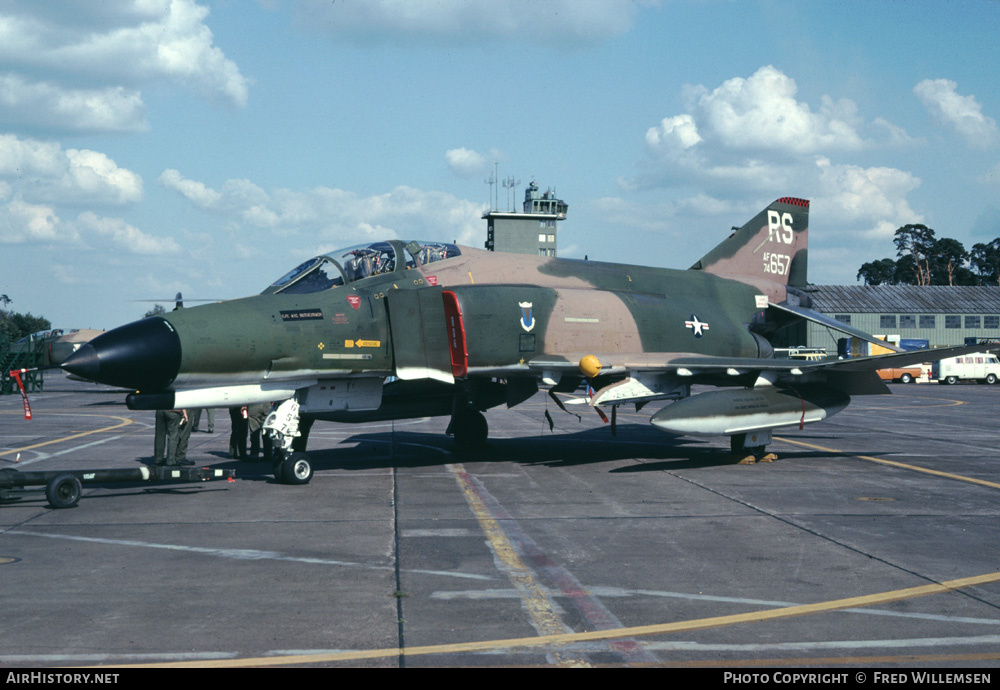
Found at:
[917, 242]
[14, 326]
[880, 272]
[947, 262]
[985, 261]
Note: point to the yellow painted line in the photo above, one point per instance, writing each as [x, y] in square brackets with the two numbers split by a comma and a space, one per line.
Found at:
[572, 638]
[125, 421]
[533, 595]
[893, 463]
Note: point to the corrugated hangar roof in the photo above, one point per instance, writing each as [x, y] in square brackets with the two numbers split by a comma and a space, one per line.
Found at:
[907, 299]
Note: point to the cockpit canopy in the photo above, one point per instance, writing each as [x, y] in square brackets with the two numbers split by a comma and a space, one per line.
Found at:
[357, 263]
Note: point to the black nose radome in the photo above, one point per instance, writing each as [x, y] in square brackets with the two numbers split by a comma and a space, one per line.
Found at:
[144, 355]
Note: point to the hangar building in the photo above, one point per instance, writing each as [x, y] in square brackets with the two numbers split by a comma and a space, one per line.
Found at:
[941, 314]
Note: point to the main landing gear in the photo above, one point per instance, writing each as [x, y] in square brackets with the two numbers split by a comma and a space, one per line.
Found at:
[751, 447]
[470, 429]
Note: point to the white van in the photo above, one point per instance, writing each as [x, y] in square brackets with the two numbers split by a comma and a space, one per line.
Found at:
[979, 366]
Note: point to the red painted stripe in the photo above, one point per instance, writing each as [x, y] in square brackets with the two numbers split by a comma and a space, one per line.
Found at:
[456, 335]
[793, 201]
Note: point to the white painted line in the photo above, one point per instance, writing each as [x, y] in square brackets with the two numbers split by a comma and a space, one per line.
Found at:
[41, 455]
[245, 554]
[617, 592]
[829, 644]
[21, 659]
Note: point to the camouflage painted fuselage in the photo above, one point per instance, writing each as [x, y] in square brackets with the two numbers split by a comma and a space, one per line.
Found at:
[416, 334]
[368, 327]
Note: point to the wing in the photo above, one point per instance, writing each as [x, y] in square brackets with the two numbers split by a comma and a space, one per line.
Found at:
[638, 377]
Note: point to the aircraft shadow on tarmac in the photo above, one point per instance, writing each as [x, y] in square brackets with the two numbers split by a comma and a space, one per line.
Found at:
[413, 449]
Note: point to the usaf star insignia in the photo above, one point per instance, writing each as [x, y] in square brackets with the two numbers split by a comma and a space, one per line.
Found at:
[697, 326]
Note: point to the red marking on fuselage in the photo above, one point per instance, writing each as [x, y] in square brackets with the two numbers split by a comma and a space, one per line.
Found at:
[456, 335]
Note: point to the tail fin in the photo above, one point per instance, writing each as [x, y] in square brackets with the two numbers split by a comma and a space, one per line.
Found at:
[772, 246]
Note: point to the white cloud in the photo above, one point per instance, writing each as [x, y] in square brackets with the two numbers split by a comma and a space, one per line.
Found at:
[43, 104]
[196, 192]
[42, 171]
[552, 21]
[74, 50]
[869, 199]
[673, 134]
[751, 137]
[963, 113]
[335, 216]
[752, 134]
[93, 174]
[22, 222]
[466, 162]
[127, 237]
[761, 112]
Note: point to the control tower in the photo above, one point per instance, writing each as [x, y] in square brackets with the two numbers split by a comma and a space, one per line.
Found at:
[533, 231]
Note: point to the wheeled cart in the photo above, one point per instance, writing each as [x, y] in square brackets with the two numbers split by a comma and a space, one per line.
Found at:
[63, 487]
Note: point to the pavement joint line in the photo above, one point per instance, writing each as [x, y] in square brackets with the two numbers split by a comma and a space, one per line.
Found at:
[573, 638]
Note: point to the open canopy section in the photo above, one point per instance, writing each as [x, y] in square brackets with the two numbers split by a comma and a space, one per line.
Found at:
[358, 263]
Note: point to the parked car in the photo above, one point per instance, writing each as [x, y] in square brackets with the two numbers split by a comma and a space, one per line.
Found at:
[979, 366]
[902, 374]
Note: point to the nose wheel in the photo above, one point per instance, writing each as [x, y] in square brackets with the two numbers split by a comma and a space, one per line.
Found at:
[295, 469]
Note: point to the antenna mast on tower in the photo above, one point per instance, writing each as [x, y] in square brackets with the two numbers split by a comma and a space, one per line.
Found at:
[510, 184]
[491, 180]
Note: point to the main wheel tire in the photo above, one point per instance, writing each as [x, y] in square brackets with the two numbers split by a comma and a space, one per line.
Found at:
[906, 378]
[471, 430]
[63, 491]
[951, 380]
[297, 469]
[991, 379]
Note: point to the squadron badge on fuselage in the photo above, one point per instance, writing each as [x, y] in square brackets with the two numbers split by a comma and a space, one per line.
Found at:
[527, 319]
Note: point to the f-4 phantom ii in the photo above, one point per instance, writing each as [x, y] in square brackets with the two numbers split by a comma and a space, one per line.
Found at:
[396, 330]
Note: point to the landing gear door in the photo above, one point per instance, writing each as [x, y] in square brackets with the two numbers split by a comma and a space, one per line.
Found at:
[419, 336]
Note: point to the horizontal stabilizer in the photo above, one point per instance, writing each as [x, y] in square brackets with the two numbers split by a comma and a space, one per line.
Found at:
[824, 320]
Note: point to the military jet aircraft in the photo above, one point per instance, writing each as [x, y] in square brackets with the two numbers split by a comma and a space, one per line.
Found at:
[395, 330]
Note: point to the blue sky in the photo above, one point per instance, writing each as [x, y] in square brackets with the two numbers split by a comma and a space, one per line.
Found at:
[153, 146]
